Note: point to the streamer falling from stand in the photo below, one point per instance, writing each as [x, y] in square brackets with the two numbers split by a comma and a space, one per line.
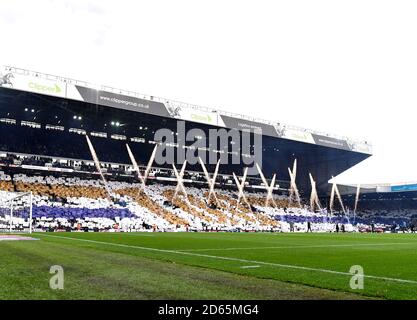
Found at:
[240, 186]
[180, 185]
[358, 191]
[268, 187]
[294, 193]
[211, 181]
[97, 164]
[314, 198]
[335, 191]
[135, 166]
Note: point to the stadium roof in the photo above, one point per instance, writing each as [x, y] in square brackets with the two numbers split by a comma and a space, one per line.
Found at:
[283, 130]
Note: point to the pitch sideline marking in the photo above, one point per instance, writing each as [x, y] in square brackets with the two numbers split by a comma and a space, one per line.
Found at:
[301, 247]
[288, 266]
[138, 234]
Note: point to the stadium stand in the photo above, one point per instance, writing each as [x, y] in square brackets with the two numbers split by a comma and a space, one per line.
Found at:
[43, 150]
[80, 202]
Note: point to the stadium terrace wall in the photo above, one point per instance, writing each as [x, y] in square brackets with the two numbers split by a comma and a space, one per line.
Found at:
[51, 102]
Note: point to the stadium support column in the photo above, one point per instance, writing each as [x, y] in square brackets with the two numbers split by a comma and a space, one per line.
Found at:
[211, 181]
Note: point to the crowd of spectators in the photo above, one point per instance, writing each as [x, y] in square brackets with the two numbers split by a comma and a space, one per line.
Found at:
[79, 204]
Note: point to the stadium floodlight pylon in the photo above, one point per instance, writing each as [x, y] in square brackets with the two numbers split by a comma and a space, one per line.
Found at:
[180, 183]
[269, 188]
[358, 191]
[335, 190]
[97, 164]
[293, 186]
[314, 198]
[141, 177]
[240, 187]
[211, 181]
[14, 209]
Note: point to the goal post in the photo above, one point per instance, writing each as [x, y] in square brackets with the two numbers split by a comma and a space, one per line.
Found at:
[16, 212]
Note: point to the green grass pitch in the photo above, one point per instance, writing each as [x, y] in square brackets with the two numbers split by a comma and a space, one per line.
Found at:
[209, 266]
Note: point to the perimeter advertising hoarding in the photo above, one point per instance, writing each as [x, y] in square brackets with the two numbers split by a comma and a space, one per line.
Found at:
[407, 187]
[115, 100]
[360, 147]
[195, 115]
[46, 168]
[297, 135]
[242, 124]
[330, 142]
[32, 84]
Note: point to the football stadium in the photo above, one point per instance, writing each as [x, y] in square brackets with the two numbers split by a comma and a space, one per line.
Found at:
[140, 197]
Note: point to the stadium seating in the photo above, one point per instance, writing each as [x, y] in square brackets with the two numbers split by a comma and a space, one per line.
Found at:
[83, 203]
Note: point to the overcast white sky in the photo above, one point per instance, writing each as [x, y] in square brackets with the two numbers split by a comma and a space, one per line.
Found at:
[346, 67]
